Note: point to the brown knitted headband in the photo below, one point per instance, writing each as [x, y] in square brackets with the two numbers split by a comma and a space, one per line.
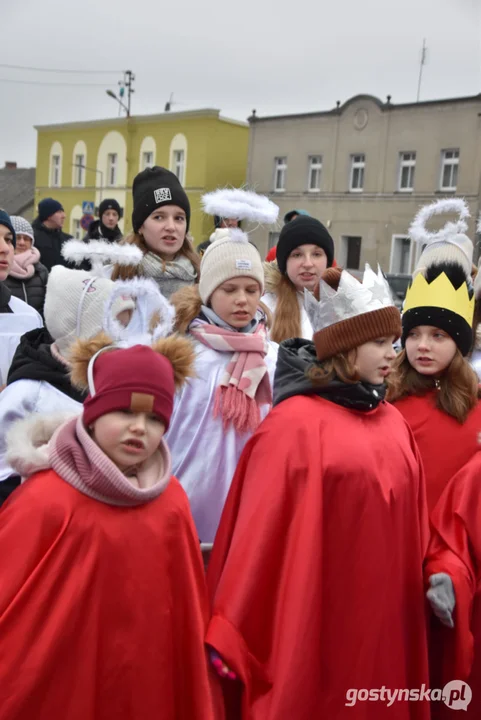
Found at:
[349, 334]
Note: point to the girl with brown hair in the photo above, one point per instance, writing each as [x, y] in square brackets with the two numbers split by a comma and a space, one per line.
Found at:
[433, 385]
[304, 251]
[160, 221]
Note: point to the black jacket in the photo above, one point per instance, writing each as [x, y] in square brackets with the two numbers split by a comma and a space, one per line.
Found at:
[33, 360]
[31, 290]
[49, 243]
[97, 231]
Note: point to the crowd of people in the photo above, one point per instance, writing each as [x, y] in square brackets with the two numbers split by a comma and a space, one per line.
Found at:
[234, 488]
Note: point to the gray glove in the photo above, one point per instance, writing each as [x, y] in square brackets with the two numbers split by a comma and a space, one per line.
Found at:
[441, 597]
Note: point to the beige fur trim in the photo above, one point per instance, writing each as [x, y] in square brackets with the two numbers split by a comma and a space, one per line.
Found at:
[27, 442]
[272, 277]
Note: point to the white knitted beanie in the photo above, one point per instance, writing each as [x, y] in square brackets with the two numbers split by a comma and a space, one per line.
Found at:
[75, 304]
[22, 227]
[230, 256]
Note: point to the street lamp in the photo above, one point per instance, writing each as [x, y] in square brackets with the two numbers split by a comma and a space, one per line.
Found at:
[99, 172]
[111, 94]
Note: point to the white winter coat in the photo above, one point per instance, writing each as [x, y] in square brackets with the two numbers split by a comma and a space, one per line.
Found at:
[12, 326]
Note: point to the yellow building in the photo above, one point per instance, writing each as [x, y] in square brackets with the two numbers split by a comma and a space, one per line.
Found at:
[204, 149]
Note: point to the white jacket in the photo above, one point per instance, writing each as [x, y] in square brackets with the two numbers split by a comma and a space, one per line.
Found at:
[12, 326]
[24, 397]
[270, 299]
[204, 455]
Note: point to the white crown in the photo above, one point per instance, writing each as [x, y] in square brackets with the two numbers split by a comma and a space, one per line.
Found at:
[350, 299]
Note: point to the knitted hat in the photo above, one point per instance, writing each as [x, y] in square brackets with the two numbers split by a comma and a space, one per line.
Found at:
[109, 204]
[154, 187]
[48, 207]
[303, 230]
[288, 216]
[74, 305]
[22, 227]
[441, 293]
[6, 220]
[230, 256]
[350, 313]
[137, 379]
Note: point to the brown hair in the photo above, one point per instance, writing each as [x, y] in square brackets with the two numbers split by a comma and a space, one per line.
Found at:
[127, 272]
[339, 367]
[458, 390]
[287, 315]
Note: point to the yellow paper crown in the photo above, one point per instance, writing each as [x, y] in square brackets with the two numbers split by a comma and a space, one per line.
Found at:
[440, 293]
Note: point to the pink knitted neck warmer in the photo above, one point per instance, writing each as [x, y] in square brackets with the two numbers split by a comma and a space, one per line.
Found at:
[80, 462]
[23, 266]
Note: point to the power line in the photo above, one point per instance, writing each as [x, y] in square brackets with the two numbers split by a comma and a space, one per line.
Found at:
[59, 70]
[41, 82]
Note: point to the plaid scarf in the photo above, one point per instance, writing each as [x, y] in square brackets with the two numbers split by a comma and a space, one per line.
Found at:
[245, 384]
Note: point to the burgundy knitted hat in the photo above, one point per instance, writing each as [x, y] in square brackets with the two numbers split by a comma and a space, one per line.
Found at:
[137, 379]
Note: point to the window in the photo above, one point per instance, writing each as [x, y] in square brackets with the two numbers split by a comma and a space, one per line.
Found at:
[77, 229]
[55, 181]
[147, 159]
[358, 163]
[352, 252]
[407, 165]
[112, 169]
[179, 164]
[280, 169]
[400, 255]
[273, 238]
[315, 170]
[449, 169]
[79, 170]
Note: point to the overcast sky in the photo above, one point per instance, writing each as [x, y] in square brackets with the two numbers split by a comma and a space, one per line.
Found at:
[278, 56]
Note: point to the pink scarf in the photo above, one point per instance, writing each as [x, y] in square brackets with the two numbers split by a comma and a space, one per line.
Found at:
[24, 264]
[245, 384]
[80, 462]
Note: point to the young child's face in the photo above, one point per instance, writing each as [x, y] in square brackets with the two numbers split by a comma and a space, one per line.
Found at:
[128, 438]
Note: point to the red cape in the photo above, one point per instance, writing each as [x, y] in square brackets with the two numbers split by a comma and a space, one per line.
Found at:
[445, 444]
[102, 609]
[455, 549]
[316, 573]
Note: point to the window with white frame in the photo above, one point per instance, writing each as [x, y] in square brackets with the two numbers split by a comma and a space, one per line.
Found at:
[80, 170]
[77, 229]
[280, 169]
[400, 255]
[55, 179]
[112, 167]
[315, 170]
[358, 164]
[449, 169]
[407, 167]
[179, 165]
[147, 159]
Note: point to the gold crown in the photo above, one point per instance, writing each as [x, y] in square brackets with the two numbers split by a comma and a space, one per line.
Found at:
[440, 293]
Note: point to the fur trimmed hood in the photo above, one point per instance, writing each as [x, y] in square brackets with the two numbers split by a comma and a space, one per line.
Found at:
[187, 305]
[28, 442]
[273, 277]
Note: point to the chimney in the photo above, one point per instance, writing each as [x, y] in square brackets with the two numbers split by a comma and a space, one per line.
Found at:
[9, 165]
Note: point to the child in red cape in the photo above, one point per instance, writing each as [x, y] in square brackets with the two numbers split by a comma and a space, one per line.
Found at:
[316, 573]
[103, 605]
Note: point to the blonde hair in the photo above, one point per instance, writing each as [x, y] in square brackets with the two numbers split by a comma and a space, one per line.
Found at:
[339, 367]
[127, 272]
[458, 391]
[287, 315]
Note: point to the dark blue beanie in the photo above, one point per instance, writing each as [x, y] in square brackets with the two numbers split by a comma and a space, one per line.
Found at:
[47, 208]
[5, 220]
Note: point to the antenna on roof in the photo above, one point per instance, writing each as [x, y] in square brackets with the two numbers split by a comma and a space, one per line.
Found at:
[424, 57]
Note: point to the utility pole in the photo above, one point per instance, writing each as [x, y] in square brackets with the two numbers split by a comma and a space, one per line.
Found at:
[424, 52]
[129, 79]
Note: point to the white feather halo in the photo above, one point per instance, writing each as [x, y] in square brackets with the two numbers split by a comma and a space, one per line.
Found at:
[100, 252]
[418, 231]
[149, 302]
[241, 205]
